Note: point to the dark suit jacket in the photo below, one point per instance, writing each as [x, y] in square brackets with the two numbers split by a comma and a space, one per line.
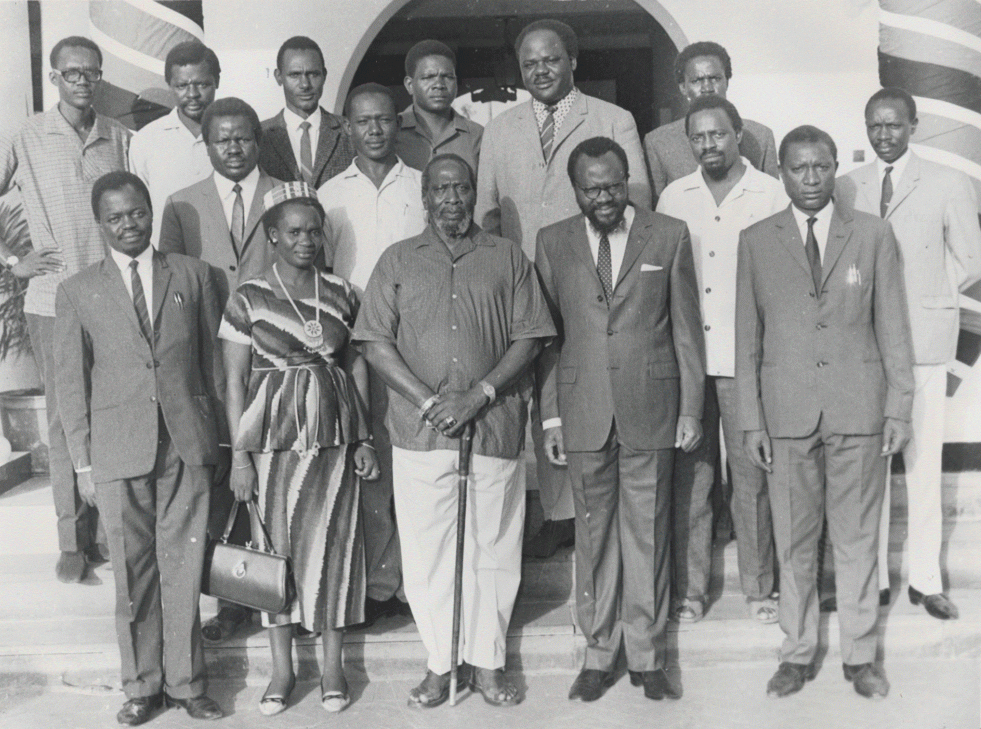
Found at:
[642, 360]
[194, 224]
[669, 155]
[111, 383]
[845, 356]
[334, 150]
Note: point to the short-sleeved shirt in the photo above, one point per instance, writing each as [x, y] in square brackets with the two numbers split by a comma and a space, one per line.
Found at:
[452, 318]
[715, 233]
[415, 148]
[364, 220]
[55, 172]
[167, 157]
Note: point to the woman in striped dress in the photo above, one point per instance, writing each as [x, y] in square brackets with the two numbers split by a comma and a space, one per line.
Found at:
[296, 403]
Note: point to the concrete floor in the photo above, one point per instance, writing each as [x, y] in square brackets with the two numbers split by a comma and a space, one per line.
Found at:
[926, 694]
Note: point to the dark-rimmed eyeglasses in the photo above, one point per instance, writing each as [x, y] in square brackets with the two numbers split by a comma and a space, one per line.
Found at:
[74, 75]
[617, 189]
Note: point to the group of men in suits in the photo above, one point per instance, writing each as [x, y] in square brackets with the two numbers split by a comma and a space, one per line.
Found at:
[814, 351]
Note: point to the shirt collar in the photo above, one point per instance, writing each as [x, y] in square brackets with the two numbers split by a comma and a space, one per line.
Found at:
[226, 186]
[293, 120]
[55, 123]
[822, 215]
[624, 227]
[410, 121]
[561, 106]
[898, 167]
[477, 236]
[353, 170]
[123, 261]
[749, 182]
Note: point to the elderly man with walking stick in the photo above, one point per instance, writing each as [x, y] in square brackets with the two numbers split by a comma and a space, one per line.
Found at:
[451, 320]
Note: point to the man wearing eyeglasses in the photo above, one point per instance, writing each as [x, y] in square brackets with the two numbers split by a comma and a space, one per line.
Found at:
[169, 154]
[430, 126]
[621, 387]
[54, 159]
[722, 197]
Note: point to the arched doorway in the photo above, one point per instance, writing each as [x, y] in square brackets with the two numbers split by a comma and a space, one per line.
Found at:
[627, 49]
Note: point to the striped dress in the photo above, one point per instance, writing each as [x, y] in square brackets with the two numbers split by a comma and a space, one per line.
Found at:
[302, 413]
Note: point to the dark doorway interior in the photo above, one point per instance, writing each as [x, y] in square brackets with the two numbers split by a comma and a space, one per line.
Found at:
[625, 55]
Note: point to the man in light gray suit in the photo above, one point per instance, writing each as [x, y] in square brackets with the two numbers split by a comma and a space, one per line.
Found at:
[135, 343]
[621, 387]
[523, 185]
[824, 388]
[934, 212]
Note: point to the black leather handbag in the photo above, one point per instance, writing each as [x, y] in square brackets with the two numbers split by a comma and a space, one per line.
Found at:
[256, 578]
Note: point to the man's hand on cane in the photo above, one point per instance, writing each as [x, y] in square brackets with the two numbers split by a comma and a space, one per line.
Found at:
[455, 409]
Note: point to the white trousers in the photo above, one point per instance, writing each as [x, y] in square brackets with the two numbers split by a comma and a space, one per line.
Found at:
[426, 493]
[922, 457]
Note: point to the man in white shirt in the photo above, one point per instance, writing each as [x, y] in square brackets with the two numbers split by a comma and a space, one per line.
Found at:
[375, 202]
[304, 141]
[169, 154]
[722, 197]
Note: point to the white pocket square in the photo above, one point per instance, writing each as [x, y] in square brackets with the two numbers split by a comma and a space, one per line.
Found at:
[649, 267]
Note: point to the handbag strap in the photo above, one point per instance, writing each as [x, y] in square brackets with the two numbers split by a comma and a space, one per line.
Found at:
[256, 517]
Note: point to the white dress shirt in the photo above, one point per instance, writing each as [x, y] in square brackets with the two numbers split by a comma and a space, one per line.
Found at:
[226, 191]
[618, 247]
[715, 233]
[293, 122]
[167, 157]
[144, 270]
[821, 226]
[364, 220]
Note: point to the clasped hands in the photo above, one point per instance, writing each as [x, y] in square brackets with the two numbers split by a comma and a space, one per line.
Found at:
[450, 411]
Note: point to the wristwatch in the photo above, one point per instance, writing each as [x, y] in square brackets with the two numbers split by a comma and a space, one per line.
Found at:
[11, 261]
[488, 389]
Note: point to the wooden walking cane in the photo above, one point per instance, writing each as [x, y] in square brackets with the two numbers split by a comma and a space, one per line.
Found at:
[463, 471]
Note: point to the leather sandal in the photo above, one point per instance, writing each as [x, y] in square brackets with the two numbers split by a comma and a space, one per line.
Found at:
[691, 610]
[765, 611]
[334, 701]
[433, 691]
[272, 704]
[494, 687]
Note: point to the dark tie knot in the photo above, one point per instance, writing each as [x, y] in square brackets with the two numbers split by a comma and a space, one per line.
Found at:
[811, 222]
[133, 264]
[236, 188]
[304, 125]
[889, 169]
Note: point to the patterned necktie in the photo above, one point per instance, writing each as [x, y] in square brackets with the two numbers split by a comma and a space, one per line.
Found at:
[139, 302]
[604, 266]
[238, 219]
[886, 192]
[306, 156]
[813, 255]
[548, 132]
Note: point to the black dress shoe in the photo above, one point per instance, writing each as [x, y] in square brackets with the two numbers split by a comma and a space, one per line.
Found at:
[197, 707]
[790, 678]
[375, 610]
[550, 538]
[139, 710]
[590, 684]
[867, 679]
[939, 605]
[71, 567]
[656, 684]
[97, 554]
[229, 620]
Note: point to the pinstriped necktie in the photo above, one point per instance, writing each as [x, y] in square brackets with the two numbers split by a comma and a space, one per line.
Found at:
[306, 156]
[548, 132]
[139, 302]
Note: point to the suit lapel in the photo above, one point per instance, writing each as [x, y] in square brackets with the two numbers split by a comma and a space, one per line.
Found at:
[579, 245]
[161, 283]
[279, 138]
[330, 135]
[909, 181]
[868, 187]
[637, 239]
[789, 236]
[117, 289]
[575, 117]
[255, 211]
[838, 235]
